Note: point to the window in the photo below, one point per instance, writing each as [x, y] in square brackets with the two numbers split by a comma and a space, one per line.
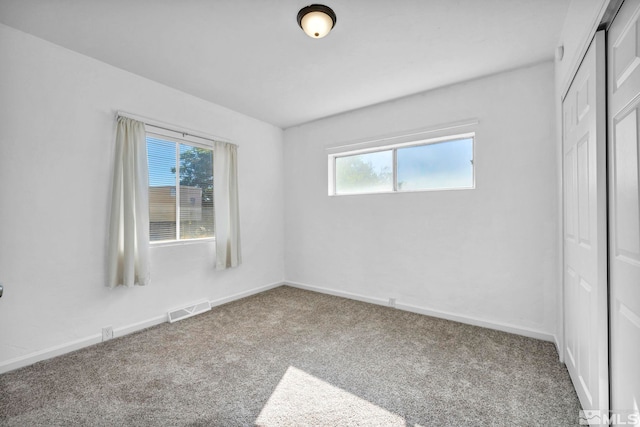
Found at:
[180, 189]
[365, 173]
[438, 164]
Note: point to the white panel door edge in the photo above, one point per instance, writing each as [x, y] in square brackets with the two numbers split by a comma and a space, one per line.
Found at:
[624, 210]
[585, 228]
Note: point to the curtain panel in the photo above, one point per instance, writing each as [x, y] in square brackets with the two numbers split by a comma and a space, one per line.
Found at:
[227, 214]
[128, 251]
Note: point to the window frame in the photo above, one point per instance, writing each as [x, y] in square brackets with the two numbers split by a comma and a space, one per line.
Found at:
[178, 138]
[394, 148]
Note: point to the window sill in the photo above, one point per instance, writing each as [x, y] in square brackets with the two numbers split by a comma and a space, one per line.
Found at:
[162, 243]
[429, 190]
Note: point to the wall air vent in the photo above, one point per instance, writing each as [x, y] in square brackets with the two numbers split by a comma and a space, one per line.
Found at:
[188, 311]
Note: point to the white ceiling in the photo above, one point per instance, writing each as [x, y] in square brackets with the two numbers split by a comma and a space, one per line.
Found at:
[251, 56]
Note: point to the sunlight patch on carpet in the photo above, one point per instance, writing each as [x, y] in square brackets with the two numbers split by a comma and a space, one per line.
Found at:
[302, 399]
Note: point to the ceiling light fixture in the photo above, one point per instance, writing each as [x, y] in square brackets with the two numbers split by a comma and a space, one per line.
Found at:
[316, 20]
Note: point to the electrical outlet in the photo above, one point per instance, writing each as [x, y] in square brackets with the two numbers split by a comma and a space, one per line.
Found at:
[107, 333]
[392, 302]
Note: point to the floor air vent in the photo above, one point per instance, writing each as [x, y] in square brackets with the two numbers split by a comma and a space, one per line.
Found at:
[188, 311]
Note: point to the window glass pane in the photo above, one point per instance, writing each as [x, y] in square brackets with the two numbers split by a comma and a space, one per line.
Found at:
[196, 192]
[162, 189]
[364, 173]
[441, 165]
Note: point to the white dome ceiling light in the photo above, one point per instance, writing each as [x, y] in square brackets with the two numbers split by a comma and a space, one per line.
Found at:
[316, 20]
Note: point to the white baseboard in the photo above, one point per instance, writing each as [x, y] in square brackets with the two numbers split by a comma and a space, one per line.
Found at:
[135, 327]
[329, 291]
[559, 349]
[245, 294]
[531, 333]
[58, 350]
[48, 353]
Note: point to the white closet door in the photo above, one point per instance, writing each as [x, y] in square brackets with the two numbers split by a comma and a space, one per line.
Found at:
[624, 208]
[585, 228]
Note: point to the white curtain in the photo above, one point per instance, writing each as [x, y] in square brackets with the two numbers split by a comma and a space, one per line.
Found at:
[227, 214]
[128, 252]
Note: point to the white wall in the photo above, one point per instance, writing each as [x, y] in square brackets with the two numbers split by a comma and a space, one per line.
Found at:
[56, 149]
[488, 256]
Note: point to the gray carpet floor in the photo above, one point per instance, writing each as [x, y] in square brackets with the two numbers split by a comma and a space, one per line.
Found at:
[289, 357]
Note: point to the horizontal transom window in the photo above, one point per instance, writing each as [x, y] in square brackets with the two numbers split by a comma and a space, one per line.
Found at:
[437, 164]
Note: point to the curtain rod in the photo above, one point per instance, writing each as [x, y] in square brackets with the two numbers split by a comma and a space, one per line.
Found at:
[173, 128]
